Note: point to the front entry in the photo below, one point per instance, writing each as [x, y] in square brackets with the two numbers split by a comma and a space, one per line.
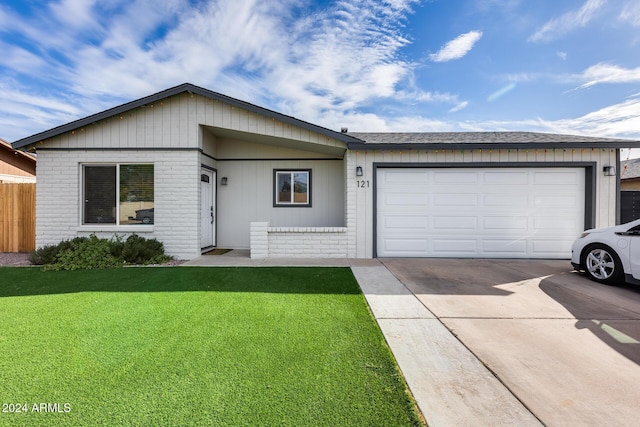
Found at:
[208, 208]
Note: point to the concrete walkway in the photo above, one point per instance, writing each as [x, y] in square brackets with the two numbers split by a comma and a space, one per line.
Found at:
[450, 385]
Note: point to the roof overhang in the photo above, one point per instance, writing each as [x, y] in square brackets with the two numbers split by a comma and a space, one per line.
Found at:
[4, 145]
[331, 150]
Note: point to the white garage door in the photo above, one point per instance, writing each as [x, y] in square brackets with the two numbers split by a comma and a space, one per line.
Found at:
[479, 212]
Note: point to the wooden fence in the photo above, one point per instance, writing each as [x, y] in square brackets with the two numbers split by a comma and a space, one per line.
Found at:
[17, 217]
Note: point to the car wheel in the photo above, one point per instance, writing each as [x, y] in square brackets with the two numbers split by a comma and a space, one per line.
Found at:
[146, 220]
[602, 264]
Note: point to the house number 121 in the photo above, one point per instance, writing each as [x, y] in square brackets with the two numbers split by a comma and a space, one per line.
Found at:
[363, 184]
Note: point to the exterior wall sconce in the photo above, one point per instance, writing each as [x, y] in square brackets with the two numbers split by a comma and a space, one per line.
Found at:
[223, 180]
[609, 171]
[359, 171]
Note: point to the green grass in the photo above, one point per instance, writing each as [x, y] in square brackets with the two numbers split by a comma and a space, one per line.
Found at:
[195, 346]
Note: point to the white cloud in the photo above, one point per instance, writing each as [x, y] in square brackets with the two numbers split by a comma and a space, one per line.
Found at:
[567, 22]
[280, 55]
[460, 106]
[615, 121]
[562, 55]
[607, 73]
[631, 13]
[457, 48]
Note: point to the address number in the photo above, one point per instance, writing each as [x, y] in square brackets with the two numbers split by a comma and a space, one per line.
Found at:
[363, 184]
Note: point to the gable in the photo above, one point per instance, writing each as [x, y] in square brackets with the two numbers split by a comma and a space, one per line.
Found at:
[170, 119]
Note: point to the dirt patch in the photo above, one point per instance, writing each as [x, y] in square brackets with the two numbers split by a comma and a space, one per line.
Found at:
[14, 259]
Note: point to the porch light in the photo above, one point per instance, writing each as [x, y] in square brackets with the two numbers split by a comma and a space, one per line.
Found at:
[223, 180]
[359, 171]
[609, 171]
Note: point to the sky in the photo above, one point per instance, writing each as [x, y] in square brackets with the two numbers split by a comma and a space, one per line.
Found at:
[570, 67]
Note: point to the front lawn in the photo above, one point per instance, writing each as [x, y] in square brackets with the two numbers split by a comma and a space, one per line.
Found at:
[194, 346]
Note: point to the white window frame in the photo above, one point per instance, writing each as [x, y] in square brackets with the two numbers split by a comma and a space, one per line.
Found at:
[292, 203]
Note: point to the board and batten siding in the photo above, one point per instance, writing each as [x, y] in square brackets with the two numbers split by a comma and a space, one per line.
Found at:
[359, 208]
[176, 187]
[175, 123]
[248, 197]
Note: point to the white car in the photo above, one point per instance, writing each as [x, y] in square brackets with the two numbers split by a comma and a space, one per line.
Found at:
[609, 255]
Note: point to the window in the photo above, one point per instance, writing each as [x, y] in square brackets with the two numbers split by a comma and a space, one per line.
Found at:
[131, 185]
[292, 187]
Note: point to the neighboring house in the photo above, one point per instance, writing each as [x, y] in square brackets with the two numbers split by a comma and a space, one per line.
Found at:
[212, 171]
[16, 166]
[630, 175]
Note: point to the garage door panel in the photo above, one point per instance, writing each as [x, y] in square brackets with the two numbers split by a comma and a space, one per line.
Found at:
[557, 201]
[443, 177]
[506, 247]
[406, 176]
[501, 199]
[555, 177]
[405, 246]
[449, 223]
[505, 223]
[484, 212]
[451, 200]
[405, 198]
[451, 245]
[551, 247]
[554, 223]
[411, 223]
[506, 178]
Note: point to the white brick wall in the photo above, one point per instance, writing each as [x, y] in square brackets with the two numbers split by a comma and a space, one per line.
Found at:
[177, 203]
[298, 242]
[259, 240]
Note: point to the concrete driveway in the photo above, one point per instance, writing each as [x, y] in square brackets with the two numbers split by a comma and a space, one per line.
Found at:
[566, 347]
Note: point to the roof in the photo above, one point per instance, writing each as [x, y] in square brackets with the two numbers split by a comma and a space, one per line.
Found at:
[475, 140]
[630, 169]
[189, 88]
[4, 145]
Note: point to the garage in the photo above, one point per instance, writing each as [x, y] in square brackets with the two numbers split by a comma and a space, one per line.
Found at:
[478, 212]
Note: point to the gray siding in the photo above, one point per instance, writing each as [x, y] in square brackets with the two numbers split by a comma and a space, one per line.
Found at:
[248, 197]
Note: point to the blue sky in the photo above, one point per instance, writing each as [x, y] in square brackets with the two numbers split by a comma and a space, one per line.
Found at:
[570, 66]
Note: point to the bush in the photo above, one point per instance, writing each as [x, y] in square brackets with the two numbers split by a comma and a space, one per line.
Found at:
[138, 250]
[93, 253]
[44, 255]
[48, 253]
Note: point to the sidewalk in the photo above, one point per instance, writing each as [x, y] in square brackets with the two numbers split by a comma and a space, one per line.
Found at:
[450, 385]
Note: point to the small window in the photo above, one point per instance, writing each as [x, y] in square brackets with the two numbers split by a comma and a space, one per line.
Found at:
[121, 194]
[292, 188]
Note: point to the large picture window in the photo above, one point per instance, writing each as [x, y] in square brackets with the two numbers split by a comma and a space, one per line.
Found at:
[292, 187]
[120, 194]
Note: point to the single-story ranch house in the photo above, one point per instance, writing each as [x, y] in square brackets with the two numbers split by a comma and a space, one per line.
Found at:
[197, 170]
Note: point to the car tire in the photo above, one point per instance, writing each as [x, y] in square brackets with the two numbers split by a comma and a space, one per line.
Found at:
[602, 264]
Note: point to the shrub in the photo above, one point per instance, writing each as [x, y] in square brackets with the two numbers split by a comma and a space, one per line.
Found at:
[48, 253]
[92, 253]
[44, 255]
[138, 250]
[87, 253]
